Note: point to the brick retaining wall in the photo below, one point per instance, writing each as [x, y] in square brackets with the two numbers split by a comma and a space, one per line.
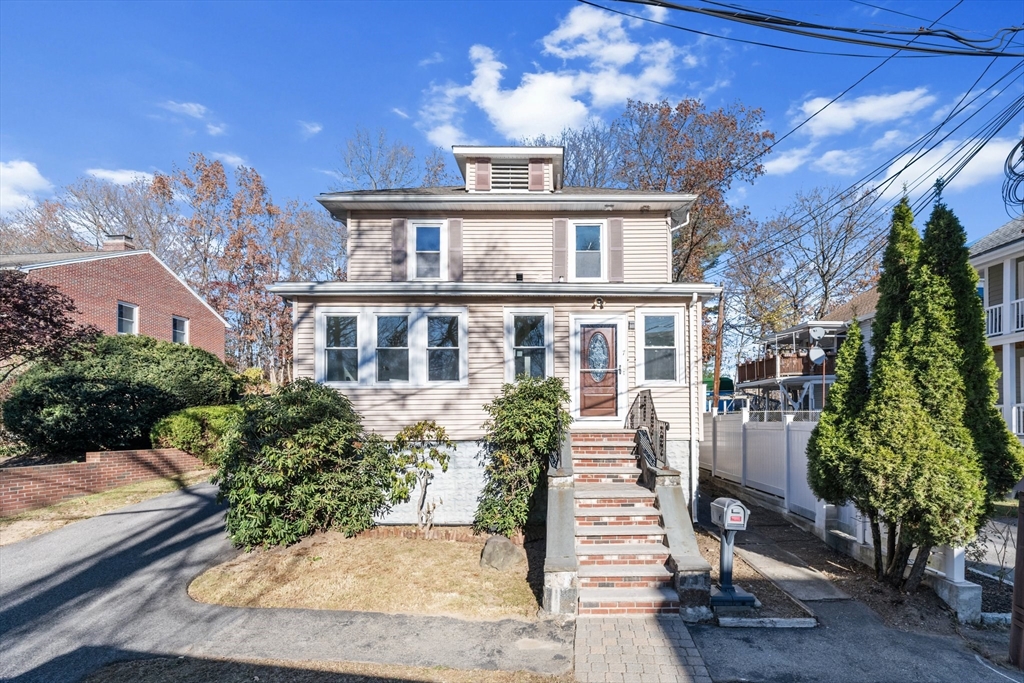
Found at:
[24, 488]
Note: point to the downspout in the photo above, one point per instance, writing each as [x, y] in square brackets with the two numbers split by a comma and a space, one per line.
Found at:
[696, 411]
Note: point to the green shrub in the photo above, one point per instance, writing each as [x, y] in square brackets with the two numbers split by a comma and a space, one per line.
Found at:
[298, 463]
[523, 430]
[110, 396]
[198, 431]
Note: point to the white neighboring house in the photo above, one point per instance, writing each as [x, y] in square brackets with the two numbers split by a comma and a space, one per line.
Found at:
[999, 259]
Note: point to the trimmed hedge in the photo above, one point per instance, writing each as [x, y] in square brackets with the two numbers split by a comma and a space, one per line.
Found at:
[197, 431]
[298, 463]
[110, 396]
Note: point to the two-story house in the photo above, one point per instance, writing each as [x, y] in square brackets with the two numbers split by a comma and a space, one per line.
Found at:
[453, 291]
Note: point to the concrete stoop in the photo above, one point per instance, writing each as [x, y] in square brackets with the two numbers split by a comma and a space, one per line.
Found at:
[632, 553]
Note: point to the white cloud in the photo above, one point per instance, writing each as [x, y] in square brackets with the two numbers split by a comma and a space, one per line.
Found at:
[838, 162]
[610, 68]
[435, 58]
[398, 112]
[20, 183]
[193, 109]
[787, 162]
[657, 13]
[198, 111]
[890, 139]
[229, 158]
[987, 165]
[120, 176]
[840, 116]
[310, 128]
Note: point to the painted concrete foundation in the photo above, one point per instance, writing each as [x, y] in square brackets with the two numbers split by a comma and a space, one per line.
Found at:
[454, 491]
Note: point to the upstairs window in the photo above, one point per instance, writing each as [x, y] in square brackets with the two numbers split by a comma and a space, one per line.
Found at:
[588, 260]
[510, 175]
[428, 246]
[341, 348]
[392, 348]
[127, 318]
[179, 330]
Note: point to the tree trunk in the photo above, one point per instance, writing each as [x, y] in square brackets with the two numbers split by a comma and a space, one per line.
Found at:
[421, 514]
[876, 541]
[890, 546]
[917, 572]
[898, 565]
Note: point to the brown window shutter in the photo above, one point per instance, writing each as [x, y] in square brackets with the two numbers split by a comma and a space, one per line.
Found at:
[560, 252]
[615, 250]
[455, 249]
[399, 245]
[536, 175]
[483, 175]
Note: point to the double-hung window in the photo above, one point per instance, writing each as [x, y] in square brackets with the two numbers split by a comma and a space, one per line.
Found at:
[428, 245]
[392, 348]
[589, 257]
[660, 362]
[442, 348]
[127, 318]
[341, 348]
[179, 330]
[528, 343]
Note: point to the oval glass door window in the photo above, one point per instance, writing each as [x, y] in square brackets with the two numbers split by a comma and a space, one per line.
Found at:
[597, 355]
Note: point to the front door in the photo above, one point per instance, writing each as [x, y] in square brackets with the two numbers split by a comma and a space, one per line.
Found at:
[599, 376]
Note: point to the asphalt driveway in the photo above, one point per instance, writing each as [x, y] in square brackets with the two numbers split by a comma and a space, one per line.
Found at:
[114, 587]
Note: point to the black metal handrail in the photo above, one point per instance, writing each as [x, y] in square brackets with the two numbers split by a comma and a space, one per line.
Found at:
[652, 433]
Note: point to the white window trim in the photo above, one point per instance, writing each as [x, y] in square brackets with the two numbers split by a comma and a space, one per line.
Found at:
[619, 320]
[572, 250]
[135, 323]
[188, 329]
[641, 345]
[411, 249]
[549, 339]
[366, 344]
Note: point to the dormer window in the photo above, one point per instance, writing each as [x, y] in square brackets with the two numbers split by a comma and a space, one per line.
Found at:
[510, 169]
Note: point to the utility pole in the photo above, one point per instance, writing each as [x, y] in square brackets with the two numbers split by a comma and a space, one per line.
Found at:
[718, 348]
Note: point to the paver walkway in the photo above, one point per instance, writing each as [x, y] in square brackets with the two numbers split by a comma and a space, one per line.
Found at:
[114, 587]
[656, 649]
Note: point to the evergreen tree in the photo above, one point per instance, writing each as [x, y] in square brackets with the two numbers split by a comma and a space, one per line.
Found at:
[944, 250]
[894, 285]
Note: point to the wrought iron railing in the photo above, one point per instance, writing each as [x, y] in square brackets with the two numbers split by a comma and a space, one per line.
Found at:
[651, 433]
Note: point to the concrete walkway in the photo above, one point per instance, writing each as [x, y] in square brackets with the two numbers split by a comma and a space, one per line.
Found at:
[114, 587]
[637, 650]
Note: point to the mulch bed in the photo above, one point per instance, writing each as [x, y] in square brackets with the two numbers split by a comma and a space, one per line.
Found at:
[995, 596]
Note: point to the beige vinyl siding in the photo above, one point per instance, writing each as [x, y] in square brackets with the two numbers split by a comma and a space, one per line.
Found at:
[549, 178]
[369, 249]
[459, 408]
[471, 175]
[497, 246]
[646, 249]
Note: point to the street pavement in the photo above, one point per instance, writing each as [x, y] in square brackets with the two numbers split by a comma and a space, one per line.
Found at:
[113, 588]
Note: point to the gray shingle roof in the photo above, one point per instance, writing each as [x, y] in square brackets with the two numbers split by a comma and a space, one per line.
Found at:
[861, 307]
[1007, 234]
[461, 190]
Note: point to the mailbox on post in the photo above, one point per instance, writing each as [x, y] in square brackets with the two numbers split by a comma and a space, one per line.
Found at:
[729, 515]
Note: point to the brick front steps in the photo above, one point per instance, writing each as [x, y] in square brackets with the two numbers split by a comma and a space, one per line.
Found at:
[621, 549]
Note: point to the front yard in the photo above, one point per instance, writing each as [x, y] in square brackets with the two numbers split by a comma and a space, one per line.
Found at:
[374, 574]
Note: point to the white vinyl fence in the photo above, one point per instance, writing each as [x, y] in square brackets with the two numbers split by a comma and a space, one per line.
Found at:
[767, 453]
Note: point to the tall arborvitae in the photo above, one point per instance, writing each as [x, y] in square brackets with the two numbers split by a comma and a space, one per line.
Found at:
[895, 283]
[828, 451]
[945, 251]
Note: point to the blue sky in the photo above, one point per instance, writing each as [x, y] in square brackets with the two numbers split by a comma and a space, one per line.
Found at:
[115, 89]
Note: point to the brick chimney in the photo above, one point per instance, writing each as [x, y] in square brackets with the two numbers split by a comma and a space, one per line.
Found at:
[118, 243]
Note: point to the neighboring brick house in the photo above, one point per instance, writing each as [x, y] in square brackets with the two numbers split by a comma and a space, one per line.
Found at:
[122, 290]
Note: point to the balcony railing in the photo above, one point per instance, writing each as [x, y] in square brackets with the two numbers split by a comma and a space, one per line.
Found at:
[994, 320]
[1017, 315]
[789, 365]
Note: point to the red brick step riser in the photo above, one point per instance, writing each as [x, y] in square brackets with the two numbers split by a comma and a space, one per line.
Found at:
[615, 502]
[618, 608]
[618, 520]
[626, 582]
[593, 461]
[653, 539]
[605, 478]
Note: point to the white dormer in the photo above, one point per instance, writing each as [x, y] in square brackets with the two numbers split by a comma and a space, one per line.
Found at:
[510, 169]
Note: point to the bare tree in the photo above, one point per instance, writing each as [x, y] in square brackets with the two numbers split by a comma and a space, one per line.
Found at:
[437, 172]
[372, 162]
[590, 158]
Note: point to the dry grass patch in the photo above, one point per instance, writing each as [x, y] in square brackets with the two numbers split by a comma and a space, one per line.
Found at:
[395, 575]
[173, 670]
[34, 522]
